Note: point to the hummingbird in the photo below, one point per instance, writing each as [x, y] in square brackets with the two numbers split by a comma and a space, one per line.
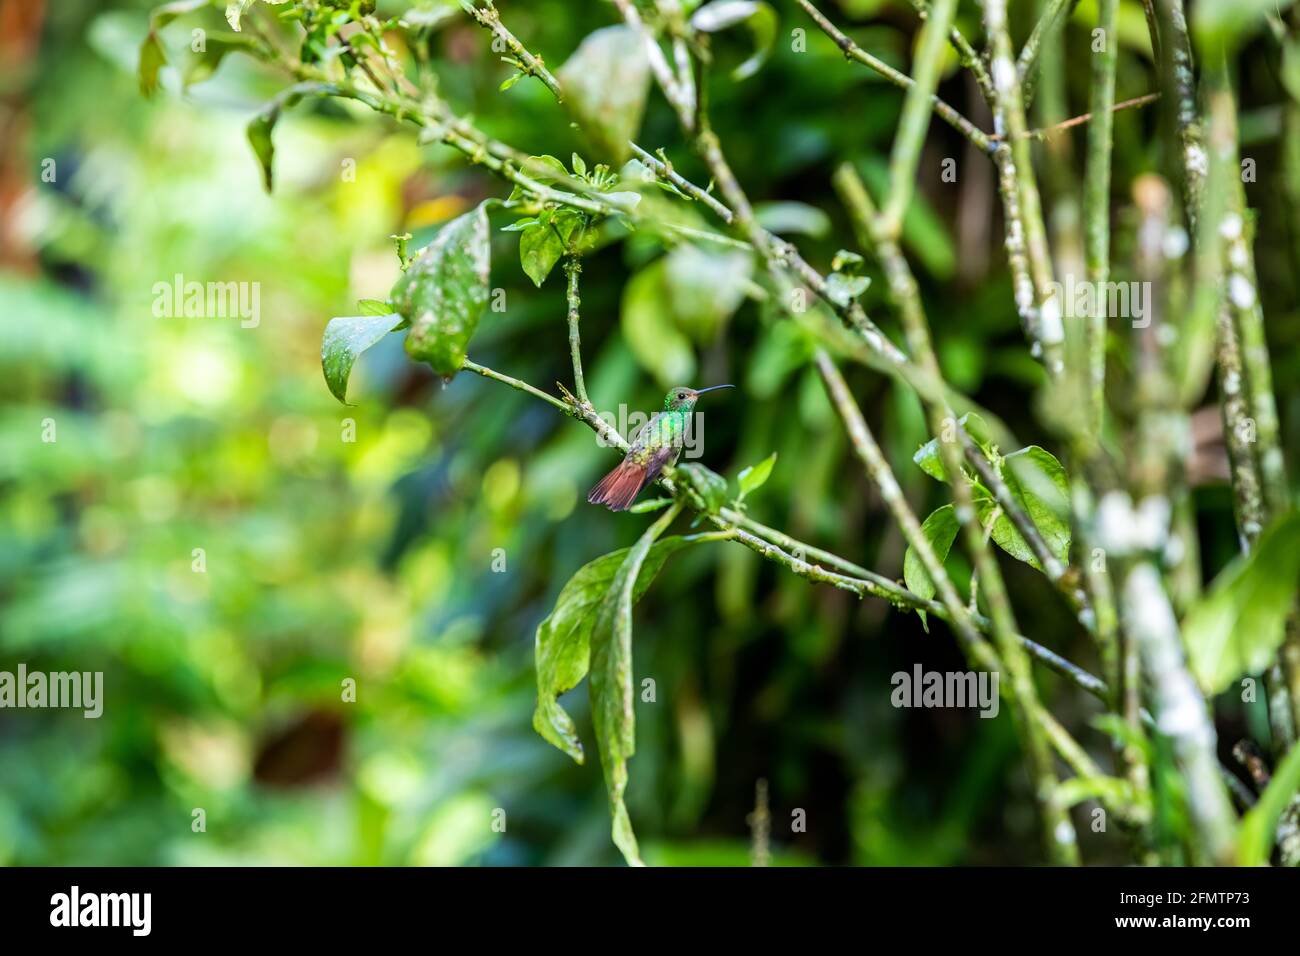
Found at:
[657, 444]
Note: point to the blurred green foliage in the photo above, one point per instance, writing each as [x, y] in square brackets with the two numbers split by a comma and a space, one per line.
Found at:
[327, 558]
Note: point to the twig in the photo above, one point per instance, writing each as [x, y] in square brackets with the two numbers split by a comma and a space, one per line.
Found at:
[1054, 14]
[1026, 236]
[490, 19]
[573, 269]
[905, 155]
[854, 52]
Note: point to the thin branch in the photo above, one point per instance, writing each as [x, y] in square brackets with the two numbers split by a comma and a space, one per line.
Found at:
[966, 54]
[1047, 132]
[488, 18]
[1054, 14]
[854, 52]
[664, 170]
[573, 269]
[1026, 239]
[1096, 205]
[913, 123]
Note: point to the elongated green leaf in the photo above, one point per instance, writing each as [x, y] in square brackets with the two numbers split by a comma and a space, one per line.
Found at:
[755, 476]
[444, 292]
[1236, 628]
[563, 641]
[261, 126]
[940, 529]
[152, 56]
[152, 59]
[605, 85]
[611, 683]
[346, 337]
[1255, 837]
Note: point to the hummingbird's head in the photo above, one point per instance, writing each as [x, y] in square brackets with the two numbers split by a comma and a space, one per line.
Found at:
[682, 399]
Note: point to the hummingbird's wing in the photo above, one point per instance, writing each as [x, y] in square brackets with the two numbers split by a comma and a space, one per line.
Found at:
[619, 488]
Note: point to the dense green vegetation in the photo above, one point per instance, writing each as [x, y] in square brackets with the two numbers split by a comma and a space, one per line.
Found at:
[333, 627]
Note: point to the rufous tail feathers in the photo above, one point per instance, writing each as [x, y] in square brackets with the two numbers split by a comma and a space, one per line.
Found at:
[619, 488]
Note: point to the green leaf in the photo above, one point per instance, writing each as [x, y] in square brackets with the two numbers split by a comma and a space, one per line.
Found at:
[259, 137]
[929, 458]
[708, 484]
[346, 337]
[563, 641]
[1255, 836]
[760, 18]
[1038, 483]
[705, 287]
[152, 56]
[612, 696]
[203, 64]
[940, 529]
[755, 476]
[235, 10]
[787, 218]
[606, 82]
[843, 289]
[444, 292]
[542, 245]
[647, 326]
[1237, 627]
[261, 126]
[152, 59]
[374, 307]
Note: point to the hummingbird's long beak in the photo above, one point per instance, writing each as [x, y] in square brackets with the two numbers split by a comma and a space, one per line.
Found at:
[701, 391]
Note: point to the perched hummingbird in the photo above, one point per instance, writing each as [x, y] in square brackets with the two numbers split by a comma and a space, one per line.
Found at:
[657, 444]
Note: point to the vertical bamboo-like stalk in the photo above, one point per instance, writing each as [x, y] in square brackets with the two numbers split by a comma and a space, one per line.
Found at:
[1026, 234]
[1097, 204]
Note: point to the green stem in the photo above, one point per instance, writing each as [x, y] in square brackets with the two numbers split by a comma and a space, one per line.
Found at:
[573, 269]
[927, 61]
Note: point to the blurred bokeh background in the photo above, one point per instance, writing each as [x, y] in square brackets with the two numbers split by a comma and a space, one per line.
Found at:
[325, 558]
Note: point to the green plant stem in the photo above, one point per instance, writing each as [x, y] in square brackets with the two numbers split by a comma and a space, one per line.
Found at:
[785, 550]
[1026, 236]
[912, 125]
[1062, 844]
[967, 55]
[1096, 206]
[854, 52]
[488, 18]
[666, 172]
[874, 233]
[1055, 12]
[572, 270]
